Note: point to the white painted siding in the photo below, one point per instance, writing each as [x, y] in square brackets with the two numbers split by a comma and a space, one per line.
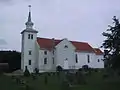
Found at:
[65, 54]
[37, 55]
[99, 64]
[42, 56]
[83, 59]
[28, 44]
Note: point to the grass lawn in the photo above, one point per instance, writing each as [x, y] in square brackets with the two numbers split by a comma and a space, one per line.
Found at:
[94, 82]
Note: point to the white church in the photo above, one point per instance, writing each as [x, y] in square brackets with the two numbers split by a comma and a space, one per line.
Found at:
[46, 54]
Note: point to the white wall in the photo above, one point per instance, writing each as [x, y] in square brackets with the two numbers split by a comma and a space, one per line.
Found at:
[22, 52]
[60, 56]
[65, 53]
[28, 44]
[99, 64]
[48, 66]
[83, 60]
[37, 48]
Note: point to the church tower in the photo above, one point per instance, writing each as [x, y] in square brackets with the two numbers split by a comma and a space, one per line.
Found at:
[29, 36]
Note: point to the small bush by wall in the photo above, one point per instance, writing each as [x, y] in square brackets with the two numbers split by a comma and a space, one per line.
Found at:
[26, 73]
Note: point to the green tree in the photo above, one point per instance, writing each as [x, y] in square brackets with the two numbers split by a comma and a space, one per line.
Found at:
[112, 45]
[13, 58]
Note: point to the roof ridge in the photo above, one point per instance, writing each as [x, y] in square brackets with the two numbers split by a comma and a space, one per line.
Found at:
[62, 39]
[48, 38]
[78, 42]
[82, 46]
[96, 48]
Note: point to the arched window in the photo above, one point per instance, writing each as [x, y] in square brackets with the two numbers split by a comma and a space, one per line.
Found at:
[88, 58]
[76, 58]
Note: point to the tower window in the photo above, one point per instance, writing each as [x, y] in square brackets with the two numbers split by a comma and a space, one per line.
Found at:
[88, 58]
[29, 62]
[31, 36]
[28, 36]
[45, 60]
[45, 52]
[76, 58]
[30, 52]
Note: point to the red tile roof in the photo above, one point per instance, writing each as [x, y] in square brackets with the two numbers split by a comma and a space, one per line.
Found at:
[46, 43]
[82, 46]
[98, 51]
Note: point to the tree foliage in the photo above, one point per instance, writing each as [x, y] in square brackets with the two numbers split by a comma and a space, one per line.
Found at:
[59, 68]
[112, 45]
[13, 58]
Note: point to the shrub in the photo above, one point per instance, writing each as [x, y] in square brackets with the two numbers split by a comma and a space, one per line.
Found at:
[54, 73]
[80, 77]
[96, 70]
[49, 74]
[80, 69]
[36, 71]
[106, 75]
[28, 87]
[18, 79]
[119, 73]
[65, 85]
[45, 79]
[85, 67]
[26, 73]
[59, 68]
[34, 76]
[70, 78]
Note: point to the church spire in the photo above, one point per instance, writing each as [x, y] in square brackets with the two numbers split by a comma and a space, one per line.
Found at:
[29, 16]
[29, 23]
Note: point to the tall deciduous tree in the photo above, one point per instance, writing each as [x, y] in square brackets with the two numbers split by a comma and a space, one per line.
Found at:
[112, 45]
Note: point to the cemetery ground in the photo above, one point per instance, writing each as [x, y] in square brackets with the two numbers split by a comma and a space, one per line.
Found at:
[48, 81]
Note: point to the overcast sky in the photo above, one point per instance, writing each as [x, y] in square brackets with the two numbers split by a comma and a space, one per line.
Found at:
[79, 20]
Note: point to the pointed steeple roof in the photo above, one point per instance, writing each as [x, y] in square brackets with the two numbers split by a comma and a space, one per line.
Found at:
[29, 16]
[29, 23]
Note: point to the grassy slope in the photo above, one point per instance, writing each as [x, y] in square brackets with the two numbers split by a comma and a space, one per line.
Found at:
[94, 82]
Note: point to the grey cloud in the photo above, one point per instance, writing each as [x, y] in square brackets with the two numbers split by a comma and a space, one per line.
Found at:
[27, 0]
[11, 0]
[5, 0]
[81, 20]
